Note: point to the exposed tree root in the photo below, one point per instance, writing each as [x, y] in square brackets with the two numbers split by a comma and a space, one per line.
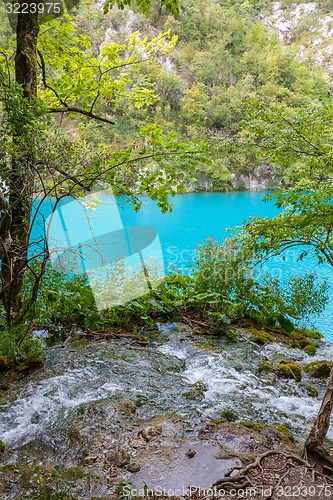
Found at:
[279, 469]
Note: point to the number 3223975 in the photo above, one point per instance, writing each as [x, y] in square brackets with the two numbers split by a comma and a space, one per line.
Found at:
[32, 8]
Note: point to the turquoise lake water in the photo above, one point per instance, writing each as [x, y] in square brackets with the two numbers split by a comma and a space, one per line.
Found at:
[196, 217]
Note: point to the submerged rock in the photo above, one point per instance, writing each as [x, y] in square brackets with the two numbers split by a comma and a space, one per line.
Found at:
[190, 453]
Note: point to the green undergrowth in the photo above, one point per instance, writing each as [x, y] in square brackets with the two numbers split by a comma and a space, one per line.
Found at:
[220, 288]
[43, 482]
[219, 294]
[19, 350]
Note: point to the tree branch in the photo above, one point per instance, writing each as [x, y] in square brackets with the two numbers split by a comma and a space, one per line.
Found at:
[66, 108]
[70, 109]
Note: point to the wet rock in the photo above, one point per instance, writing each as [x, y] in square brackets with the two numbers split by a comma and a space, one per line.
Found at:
[319, 369]
[286, 369]
[133, 467]
[138, 442]
[89, 460]
[197, 391]
[119, 457]
[310, 389]
[2, 446]
[261, 337]
[190, 453]
[149, 433]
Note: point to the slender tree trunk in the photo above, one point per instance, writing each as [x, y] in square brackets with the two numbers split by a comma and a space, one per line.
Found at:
[16, 221]
[314, 447]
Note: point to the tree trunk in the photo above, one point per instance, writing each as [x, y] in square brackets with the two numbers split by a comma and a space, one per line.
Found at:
[314, 448]
[16, 220]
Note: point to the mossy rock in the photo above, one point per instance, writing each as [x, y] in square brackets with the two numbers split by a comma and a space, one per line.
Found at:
[311, 390]
[313, 334]
[261, 337]
[282, 429]
[319, 369]
[286, 369]
[228, 416]
[310, 349]
[4, 363]
[30, 362]
[2, 447]
[197, 391]
[289, 369]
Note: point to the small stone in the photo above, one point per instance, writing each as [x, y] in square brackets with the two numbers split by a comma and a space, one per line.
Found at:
[139, 442]
[89, 460]
[150, 432]
[133, 467]
[190, 453]
[120, 457]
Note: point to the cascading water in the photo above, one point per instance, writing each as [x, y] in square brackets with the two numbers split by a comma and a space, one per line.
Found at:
[43, 407]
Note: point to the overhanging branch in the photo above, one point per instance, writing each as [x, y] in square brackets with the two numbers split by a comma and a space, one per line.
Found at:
[70, 109]
[66, 108]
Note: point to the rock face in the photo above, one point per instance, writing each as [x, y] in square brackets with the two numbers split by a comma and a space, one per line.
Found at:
[259, 179]
[307, 28]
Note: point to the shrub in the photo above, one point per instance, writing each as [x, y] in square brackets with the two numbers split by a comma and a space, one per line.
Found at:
[19, 350]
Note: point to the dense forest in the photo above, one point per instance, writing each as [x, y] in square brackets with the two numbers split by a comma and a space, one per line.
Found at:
[153, 99]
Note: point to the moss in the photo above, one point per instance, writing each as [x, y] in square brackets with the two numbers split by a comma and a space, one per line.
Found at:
[73, 473]
[289, 369]
[282, 429]
[312, 391]
[30, 362]
[228, 416]
[3, 401]
[267, 367]
[313, 334]
[2, 446]
[197, 391]
[319, 369]
[249, 425]
[298, 339]
[286, 369]
[261, 337]
[4, 364]
[310, 349]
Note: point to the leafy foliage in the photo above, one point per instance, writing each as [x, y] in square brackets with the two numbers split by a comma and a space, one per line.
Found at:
[223, 285]
[145, 5]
